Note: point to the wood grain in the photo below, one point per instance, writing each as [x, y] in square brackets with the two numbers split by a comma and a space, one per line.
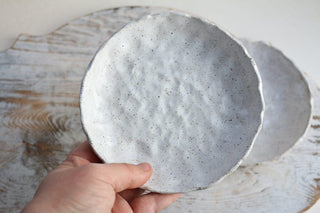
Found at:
[40, 80]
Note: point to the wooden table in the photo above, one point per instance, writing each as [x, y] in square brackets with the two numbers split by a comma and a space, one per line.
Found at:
[40, 80]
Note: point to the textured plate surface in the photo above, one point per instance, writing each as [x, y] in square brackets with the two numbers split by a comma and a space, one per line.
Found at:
[287, 103]
[175, 91]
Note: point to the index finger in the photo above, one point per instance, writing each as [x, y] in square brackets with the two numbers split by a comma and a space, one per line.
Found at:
[85, 152]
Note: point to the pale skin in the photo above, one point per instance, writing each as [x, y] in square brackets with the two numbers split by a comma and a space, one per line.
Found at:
[83, 184]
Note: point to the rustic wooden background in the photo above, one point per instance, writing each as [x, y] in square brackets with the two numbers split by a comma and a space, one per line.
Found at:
[40, 80]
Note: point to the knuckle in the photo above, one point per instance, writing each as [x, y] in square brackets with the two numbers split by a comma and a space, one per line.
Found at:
[129, 167]
[94, 168]
[133, 173]
[74, 160]
[133, 170]
[90, 171]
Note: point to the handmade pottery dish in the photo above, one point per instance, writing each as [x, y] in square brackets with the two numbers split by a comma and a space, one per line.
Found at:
[287, 103]
[175, 91]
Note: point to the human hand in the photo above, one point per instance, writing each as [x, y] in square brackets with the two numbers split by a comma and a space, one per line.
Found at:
[83, 184]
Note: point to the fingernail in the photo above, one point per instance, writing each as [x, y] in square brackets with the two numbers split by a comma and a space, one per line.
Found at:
[144, 166]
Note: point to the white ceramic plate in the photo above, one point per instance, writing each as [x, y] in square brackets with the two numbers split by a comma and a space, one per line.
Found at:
[287, 103]
[177, 92]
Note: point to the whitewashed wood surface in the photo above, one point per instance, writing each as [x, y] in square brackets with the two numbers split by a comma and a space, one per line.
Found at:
[40, 80]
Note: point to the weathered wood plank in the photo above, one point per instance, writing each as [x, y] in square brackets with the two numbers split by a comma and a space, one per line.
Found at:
[40, 80]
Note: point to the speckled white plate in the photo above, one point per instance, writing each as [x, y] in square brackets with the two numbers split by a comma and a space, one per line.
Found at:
[287, 103]
[175, 91]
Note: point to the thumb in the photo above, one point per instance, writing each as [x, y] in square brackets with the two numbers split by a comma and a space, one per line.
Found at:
[125, 176]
